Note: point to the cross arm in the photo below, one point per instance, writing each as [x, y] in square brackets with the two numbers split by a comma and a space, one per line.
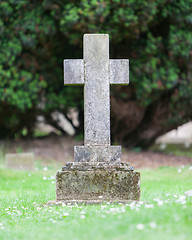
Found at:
[73, 71]
[119, 71]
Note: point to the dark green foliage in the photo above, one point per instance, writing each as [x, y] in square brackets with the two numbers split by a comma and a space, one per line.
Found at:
[156, 36]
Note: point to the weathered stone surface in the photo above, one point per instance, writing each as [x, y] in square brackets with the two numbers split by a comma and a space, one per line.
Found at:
[74, 71]
[119, 71]
[96, 89]
[97, 171]
[95, 166]
[20, 161]
[96, 71]
[93, 185]
[97, 154]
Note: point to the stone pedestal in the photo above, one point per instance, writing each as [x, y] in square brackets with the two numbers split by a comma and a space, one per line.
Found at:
[105, 153]
[92, 182]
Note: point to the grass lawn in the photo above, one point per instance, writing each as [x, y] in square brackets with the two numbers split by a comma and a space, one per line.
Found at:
[164, 211]
[174, 149]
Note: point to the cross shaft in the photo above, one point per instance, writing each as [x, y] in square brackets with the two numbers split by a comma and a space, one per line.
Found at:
[96, 72]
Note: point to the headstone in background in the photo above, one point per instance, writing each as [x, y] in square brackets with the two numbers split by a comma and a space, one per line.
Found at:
[20, 161]
[181, 135]
[97, 174]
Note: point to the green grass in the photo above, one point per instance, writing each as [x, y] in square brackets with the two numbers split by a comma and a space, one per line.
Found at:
[174, 149]
[163, 213]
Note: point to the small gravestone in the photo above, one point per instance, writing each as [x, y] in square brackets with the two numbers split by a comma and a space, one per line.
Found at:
[97, 174]
[20, 161]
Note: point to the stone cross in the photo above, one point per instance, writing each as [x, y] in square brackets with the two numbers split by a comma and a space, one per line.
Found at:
[97, 169]
[96, 72]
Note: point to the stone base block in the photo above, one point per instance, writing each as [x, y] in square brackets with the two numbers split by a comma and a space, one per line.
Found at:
[118, 183]
[97, 154]
[97, 166]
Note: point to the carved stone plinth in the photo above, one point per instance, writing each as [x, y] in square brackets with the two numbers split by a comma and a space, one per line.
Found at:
[97, 181]
[108, 154]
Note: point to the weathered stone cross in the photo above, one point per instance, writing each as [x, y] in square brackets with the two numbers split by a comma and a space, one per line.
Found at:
[97, 170]
[96, 72]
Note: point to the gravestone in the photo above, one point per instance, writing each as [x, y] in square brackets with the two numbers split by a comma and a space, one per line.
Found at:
[20, 161]
[97, 174]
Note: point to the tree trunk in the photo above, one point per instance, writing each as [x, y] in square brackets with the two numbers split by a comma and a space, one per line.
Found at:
[134, 125]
